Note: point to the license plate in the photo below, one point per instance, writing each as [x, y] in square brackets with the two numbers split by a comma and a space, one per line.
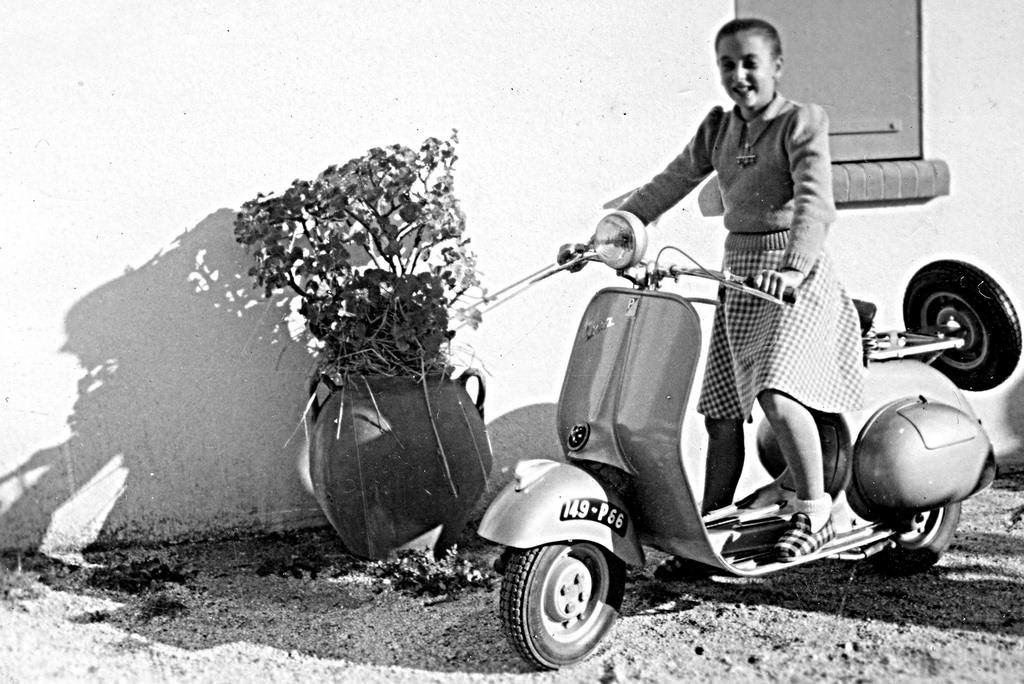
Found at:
[597, 511]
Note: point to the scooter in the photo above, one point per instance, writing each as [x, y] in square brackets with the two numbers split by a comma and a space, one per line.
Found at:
[898, 469]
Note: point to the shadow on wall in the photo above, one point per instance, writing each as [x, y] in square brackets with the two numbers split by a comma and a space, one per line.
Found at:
[1011, 457]
[188, 419]
[519, 435]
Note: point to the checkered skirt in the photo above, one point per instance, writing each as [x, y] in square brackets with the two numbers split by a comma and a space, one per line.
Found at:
[810, 350]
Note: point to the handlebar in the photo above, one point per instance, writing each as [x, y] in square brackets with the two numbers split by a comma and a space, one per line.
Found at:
[734, 282]
[575, 259]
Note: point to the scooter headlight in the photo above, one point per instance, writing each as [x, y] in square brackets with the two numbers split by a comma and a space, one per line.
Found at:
[620, 240]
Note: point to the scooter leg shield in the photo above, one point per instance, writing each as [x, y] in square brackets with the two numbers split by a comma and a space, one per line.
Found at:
[550, 502]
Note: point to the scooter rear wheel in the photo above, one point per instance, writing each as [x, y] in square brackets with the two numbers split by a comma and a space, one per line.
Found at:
[920, 547]
[961, 296]
[559, 600]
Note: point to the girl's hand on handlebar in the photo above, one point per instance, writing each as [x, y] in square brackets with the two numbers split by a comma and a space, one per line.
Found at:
[776, 283]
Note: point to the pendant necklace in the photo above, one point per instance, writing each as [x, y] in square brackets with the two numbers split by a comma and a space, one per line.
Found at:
[746, 156]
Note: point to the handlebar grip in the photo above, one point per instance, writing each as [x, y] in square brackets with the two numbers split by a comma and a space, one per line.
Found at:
[788, 295]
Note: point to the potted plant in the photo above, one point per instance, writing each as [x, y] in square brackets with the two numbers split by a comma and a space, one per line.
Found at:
[374, 252]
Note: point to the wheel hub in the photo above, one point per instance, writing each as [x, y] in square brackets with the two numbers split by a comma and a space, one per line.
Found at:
[923, 526]
[955, 319]
[571, 588]
[956, 314]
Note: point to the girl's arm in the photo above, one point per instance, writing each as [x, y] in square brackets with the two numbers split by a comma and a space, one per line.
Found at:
[810, 164]
[683, 174]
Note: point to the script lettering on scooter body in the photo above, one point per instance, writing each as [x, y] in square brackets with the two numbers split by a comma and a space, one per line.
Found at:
[597, 511]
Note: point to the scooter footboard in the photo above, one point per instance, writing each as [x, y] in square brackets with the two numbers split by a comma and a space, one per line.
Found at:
[549, 502]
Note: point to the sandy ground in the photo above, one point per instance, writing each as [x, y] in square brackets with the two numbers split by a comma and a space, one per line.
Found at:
[297, 608]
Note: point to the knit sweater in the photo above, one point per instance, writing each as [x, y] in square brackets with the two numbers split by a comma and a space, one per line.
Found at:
[782, 199]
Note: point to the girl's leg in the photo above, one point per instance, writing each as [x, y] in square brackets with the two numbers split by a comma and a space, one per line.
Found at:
[724, 462]
[811, 525]
[797, 433]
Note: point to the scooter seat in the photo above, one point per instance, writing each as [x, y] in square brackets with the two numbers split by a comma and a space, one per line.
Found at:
[866, 313]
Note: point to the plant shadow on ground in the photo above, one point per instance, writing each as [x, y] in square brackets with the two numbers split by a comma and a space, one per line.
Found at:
[946, 597]
[973, 588]
[301, 592]
[297, 592]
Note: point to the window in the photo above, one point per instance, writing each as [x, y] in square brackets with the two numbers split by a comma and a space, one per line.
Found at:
[860, 60]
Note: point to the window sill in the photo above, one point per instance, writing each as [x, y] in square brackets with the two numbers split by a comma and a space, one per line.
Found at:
[866, 184]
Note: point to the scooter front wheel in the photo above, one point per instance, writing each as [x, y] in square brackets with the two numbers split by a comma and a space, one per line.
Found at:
[559, 600]
[922, 545]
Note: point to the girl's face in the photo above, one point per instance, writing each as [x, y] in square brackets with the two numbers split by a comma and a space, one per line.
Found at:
[749, 71]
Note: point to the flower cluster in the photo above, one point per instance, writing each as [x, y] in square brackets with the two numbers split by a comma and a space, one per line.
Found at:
[375, 251]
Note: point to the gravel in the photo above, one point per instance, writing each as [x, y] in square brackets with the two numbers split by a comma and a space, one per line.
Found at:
[295, 607]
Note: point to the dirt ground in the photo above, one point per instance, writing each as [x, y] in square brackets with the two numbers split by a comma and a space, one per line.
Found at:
[297, 608]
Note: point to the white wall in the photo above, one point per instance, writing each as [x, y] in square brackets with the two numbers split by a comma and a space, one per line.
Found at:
[974, 124]
[149, 392]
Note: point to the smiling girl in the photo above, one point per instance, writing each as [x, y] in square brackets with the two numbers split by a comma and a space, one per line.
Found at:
[774, 172]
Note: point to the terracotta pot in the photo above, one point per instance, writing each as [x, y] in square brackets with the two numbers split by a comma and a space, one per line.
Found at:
[399, 462]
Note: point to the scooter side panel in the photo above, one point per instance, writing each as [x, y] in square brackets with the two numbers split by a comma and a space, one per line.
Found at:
[559, 503]
[916, 455]
[913, 463]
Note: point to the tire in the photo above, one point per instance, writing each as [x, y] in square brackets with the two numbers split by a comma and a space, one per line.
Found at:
[558, 601]
[921, 546]
[957, 293]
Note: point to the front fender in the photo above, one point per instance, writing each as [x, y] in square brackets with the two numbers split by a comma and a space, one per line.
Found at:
[549, 502]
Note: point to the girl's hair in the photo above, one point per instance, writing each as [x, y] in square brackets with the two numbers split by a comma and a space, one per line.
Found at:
[760, 26]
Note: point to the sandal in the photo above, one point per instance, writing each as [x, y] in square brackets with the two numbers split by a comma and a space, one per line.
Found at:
[799, 541]
[677, 568]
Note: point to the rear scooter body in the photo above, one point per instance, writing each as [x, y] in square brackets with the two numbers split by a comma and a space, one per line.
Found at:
[623, 411]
